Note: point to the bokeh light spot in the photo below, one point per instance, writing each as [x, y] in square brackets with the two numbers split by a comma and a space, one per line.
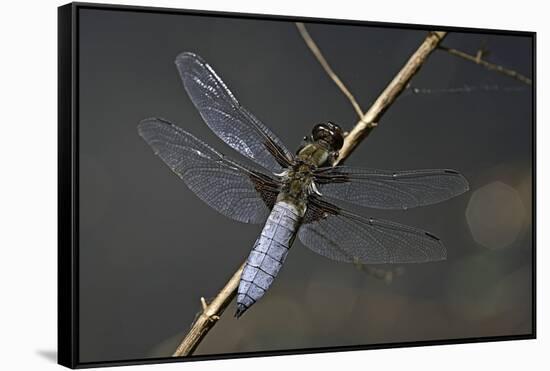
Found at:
[495, 215]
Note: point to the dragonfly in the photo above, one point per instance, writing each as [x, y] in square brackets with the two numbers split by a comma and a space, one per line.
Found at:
[293, 194]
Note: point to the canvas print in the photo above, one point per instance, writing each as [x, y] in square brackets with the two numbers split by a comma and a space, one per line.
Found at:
[252, 185]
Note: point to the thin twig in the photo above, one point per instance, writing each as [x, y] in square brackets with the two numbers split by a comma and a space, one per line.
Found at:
[477, 59]
[212, 312]
[321, 59]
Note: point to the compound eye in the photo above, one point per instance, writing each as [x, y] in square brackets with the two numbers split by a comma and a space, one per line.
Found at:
[319, 131]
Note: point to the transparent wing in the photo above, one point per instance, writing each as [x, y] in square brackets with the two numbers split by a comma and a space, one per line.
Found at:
[232, 189]
[343, 236]
[390, 189]
[227, 118]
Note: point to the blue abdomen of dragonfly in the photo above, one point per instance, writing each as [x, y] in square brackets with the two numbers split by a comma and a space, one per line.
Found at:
[267, 256]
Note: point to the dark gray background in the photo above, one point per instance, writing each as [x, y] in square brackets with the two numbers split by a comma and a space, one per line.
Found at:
[149, 249]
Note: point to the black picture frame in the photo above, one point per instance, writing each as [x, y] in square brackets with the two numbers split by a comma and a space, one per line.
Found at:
[68, 190]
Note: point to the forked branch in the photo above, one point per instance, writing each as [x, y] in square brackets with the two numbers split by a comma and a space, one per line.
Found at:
[213, 311]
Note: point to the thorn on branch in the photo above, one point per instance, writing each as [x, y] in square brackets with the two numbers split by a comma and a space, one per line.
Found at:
[213, 317]
[210, 317]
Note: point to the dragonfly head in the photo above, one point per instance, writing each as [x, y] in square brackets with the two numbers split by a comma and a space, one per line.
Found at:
[329, 133]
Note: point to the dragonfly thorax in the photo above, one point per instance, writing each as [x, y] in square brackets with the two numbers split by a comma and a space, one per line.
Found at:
[315, 154]
[297, 184]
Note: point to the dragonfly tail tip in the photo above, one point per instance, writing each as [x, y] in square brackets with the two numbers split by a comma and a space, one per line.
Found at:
[240, 310]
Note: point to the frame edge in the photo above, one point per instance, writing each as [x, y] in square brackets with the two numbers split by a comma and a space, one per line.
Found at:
[67, 348]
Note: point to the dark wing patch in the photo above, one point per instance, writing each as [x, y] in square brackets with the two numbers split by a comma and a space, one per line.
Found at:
[232, 189]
